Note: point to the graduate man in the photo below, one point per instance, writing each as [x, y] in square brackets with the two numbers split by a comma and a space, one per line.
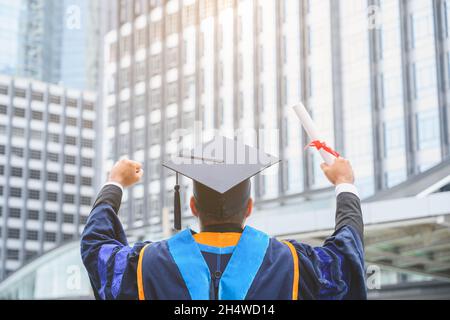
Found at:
[226, 259]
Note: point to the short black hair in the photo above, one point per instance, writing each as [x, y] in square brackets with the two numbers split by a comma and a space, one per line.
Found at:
[216, 207]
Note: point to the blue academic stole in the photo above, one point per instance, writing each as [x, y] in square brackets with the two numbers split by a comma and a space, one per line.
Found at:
[239, 273]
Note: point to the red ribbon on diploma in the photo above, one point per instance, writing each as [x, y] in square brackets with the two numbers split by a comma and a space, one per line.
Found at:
[322, 145]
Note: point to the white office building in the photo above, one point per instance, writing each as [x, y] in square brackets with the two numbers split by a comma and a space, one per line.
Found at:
[47, 160]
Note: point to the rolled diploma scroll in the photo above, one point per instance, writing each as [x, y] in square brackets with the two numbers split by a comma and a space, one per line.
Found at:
[311, 130]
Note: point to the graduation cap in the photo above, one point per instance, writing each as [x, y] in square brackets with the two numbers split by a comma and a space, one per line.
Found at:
[221, 170]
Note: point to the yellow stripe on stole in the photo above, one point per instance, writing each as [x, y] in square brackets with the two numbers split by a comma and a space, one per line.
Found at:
[296, 269]
[140, 283]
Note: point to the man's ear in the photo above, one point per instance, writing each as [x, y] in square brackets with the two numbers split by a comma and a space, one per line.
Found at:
[193, 207]
[248, 213]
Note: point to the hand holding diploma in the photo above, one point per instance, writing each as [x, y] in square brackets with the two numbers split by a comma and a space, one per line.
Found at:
[328, 154]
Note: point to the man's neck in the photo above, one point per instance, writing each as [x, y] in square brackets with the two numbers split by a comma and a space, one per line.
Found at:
[223, 227]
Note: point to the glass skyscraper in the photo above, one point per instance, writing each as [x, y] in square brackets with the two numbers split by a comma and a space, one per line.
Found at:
[374, 75]
[10, 12]
[51, 40]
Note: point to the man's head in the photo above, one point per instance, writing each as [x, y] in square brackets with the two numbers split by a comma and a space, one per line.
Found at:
[221, 170]
[212, 207]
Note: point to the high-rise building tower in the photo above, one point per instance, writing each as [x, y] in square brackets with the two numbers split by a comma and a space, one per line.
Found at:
[46, 167]
[372, 73]
[51, 41]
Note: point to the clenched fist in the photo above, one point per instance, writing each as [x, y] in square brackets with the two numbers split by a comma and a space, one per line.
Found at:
[126, 172]
[340, 172]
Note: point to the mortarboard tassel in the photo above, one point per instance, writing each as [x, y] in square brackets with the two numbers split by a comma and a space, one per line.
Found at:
[177, 206]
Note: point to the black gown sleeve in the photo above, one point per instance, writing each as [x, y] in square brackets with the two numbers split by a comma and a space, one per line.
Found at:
[110, 262]
[348, 212]
[335, 270]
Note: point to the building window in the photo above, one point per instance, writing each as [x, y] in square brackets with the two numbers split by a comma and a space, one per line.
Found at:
[3, 109]
[50, 237]
[155, 31]
[427, 129]
[35, 154]
[87, 143]
[37, 115]
[155, 134]
[36, 135]
[393, 136]
[14, 213]
[124, 111]
[53, 137]
[18, 132]
[68, 159]
[52, 176]
[172, 92]
[52, 196]
[33, 215]
[86, 181]
[34, 194]
[13, 254]
[88, 105]
[139, 105]
[16, 151]
[13, 233]
[69, 218]
[35, 174]
[16, 192]
[125, 78]
[86, 162]
[83, 219]
[172, 57]
[69, 198]
[140, 71]
[70, 179]
[154, 169]
[19, 112]
[124, 143]
[71, 102]
[111, 116]
[54, 118]
[139, 139]
[172, 126]
[20, 93]
[88, 124]
[140, 38]
[154, 204]
[37, 96]
[125, 45]
[72, 141]
[71, 121]
[156, 99]
[4, 90]
[139, 209]
[32, 235]
[54, 157]
[67, 236]
[50, 216]
[55, 99]
[86, 201]
[155, 63]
